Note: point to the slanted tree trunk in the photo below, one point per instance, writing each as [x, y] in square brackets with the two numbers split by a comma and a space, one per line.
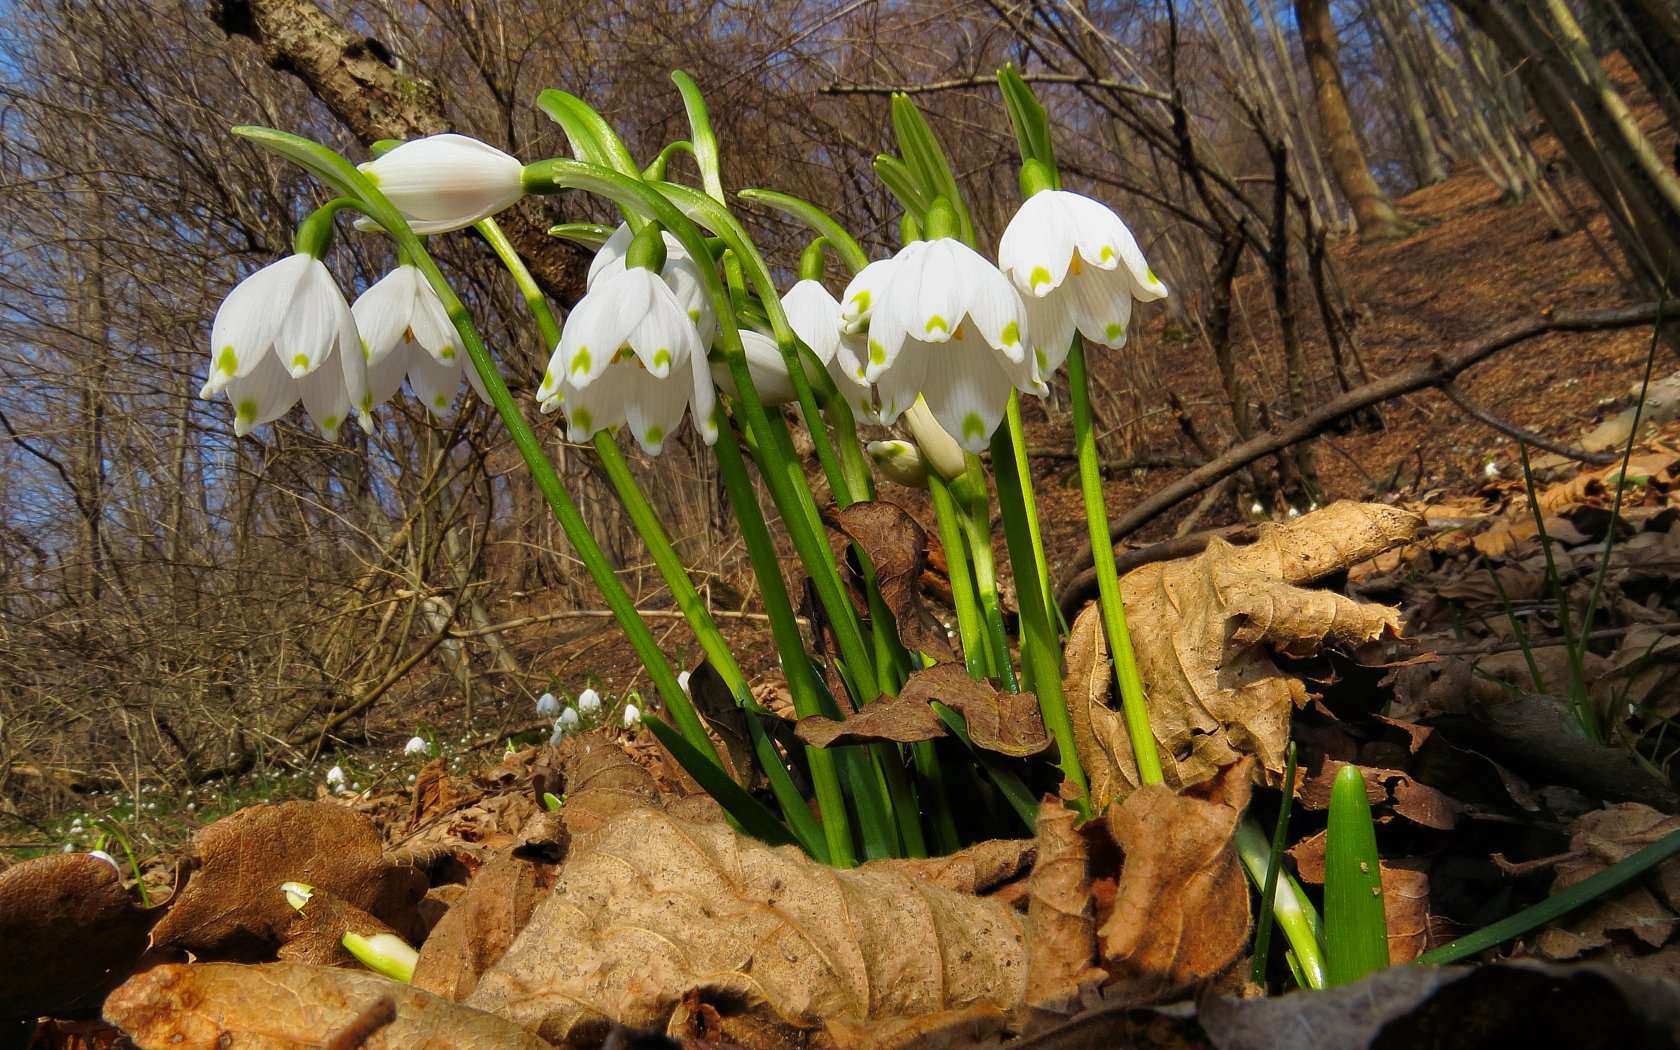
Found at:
[1372, 210]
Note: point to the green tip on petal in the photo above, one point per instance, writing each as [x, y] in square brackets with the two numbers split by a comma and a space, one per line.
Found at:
[662, 358]
[367, 355]
[581, 360]
[938, 322]
[861, 300]
[1115, 332]
[1040, 278]
[1042, 358]
[655, 435]
[583, 419]
[300, 361]
[973, 427]
[228, 360]
[447, 353]
[877, 353]
[1011, 333]
[440, 402]
[245, 411]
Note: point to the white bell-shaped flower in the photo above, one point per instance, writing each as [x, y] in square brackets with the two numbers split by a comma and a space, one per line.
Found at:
[948, 326]
[629, 354]
[816, 318]
[417, 745]
[680, 272]
[632, 715]
[284, 333]
[899, 461]
[588, 702]
[406, 332]
[766, 366]
[857, 304]
[548, 706]
[446, 182]
[683, 679]
[335, 777]
[1078, 267]
[567, 721]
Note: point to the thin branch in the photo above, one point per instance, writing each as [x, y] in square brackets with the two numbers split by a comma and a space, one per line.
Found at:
[957, 84]
[1527, 437]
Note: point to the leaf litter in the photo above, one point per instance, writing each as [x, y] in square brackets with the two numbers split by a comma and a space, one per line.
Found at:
[637, 907]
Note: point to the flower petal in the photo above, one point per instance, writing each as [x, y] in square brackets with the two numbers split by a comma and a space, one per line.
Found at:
[995, 307]
[863, 294]
[261, 396]
[814, 316]
[899, 385]
[1101, 305]
[602, 404]
[1038, 244]
[1051, 326]
[433, 383]
[1106, 242]
[249, 319]
[598, 325]
[927, 296]
[764, 363]
[383, 311]
[385, 376]
[353, 367]
[325, 398]
[657, 406]
[967, 390]
[431, 325]
[664, 336]
[307, 336]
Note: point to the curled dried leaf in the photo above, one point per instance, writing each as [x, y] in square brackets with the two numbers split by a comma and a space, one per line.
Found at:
[1062, 925]
[898, 548]
[318, 928]
[232, 907]
[1008, 723]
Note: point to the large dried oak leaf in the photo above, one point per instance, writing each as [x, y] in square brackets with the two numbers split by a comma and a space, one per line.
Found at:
[287, 1005]
[650, 912]
[1205, 630]
[70, 933]
[232, 906]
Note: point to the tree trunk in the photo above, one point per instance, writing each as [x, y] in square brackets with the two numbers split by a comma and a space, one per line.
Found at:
[1372, 210]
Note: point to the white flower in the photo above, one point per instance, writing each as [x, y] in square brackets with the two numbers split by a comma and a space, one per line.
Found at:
[948, 326]
[680, 273]
[567, 721]
[547, 706]
[417, 745]
[863, 294]
[899, 461]
[936, 443]
[107, 858]
[629, 353]
[683, 678]
[816, 318]
[1078, 266]
[294, 309]
[406, 332]
[445, 182]
[631, 716]
[1490, 469]
[335, 777]
[589, 701]
[764, 363]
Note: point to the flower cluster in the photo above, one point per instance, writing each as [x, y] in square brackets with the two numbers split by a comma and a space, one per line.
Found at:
[286, 333]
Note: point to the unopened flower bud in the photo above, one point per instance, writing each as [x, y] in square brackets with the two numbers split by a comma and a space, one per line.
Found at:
[939, 448]
[899, 461]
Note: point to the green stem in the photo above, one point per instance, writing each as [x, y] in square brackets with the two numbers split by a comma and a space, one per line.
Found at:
[844, 244]
[1023, 470]
[1295, 915]
[976, 520]
[1041, 649]
[1134, 706]
[970, 624]
[761, 551]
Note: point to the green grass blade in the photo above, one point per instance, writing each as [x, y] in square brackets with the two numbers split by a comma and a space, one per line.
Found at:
[804, 825]
[1009, 784]
[754, 817]
[1556, 906]
[1274, 864]
[1356, 932]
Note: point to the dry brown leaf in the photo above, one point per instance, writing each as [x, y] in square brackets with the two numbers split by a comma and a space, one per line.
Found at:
[1008, 723]
[289, 1006]
[232, 906]
[648, 910]
[1646, 910]
[1205, 628]
[317, 931]
[898, 548]
[1062, 925]
[1181, 907]
[478, 928]
[1406, 909]
[71, 932]
[1394, 788]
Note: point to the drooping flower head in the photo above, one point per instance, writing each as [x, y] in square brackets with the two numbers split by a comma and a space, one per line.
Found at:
[946, 325]
[284, 333]
[630, 353]
[417, 745]
[766, 366]
[446, 182]
[816, 318]
[547, 706]
[1078, 267]
[632, 715]
[588, 702]
[406, 332]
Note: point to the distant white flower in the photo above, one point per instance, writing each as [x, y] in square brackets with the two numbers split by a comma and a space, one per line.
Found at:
[547, 706]
[1490, 469]
[815, 317]
[567, 721]
[1078, 266]
[284, 333]
[589, 702]
[683, 678]
[446, 182]
[405, 331]
[629, 353]
[631, 716]
[417, 745]
[1292, 513]
[107, 858]
[335, 777]
[1257, 508]
[950, 327]
[556, 737]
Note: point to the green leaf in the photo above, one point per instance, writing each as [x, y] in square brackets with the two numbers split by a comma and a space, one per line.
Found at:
[839, 238]
[1355, 930]
[920, 148]
[589, 234]
[1009, 783]
[704, 141]
[1274, 863]
[591, 138]
[898, 178]
[754, 817]
[792, 803]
